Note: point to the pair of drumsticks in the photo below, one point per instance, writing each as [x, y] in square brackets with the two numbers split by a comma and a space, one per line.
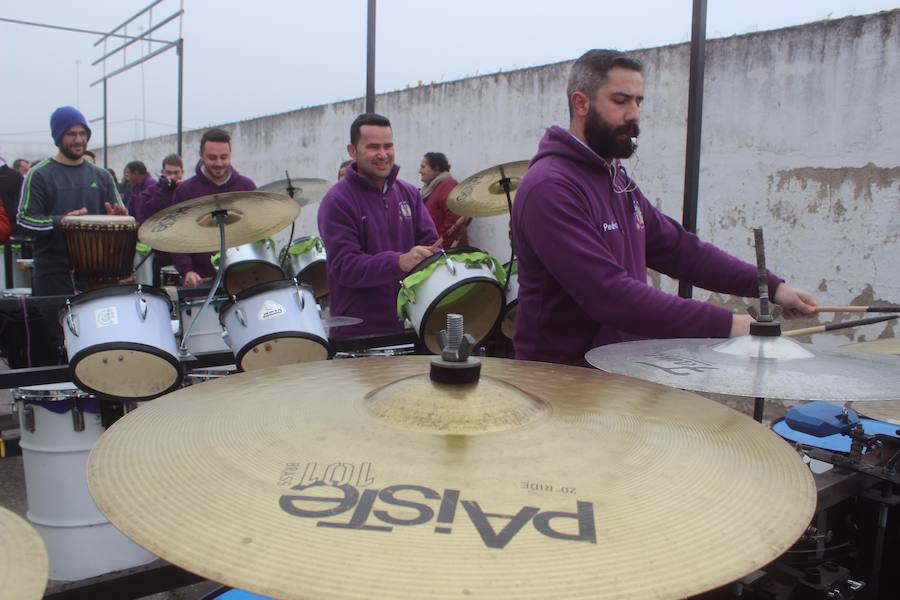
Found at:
[454, 234]
[846, 324]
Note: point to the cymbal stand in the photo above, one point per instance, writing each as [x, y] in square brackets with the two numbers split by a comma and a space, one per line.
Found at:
[290, 190]
[219, 217]
[765, 324]
[505, 183]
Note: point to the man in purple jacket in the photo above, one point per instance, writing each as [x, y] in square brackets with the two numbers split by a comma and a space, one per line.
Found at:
[375, 230]
[141, 183]
[214, 175]
[585, 235]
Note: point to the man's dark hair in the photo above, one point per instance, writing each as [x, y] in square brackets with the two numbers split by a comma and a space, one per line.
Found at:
[344, 164]
[17, 163]
[592, 68]
[215, 135]
[437, 161]
[174, 160]
[366, 119]
[136, 166]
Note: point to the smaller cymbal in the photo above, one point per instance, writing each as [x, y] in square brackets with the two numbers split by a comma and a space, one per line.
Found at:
[23, 558]
[190, 227]
[305, 190]
[483, 194]
[340, 321]
[885, 346]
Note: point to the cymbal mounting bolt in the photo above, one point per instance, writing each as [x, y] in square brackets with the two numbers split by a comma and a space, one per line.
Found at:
[454, 331]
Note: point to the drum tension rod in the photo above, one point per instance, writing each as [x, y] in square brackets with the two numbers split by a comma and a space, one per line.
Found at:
[454, 366]
[219, 217]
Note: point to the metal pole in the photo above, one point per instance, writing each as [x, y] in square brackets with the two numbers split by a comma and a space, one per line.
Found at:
[180, 51]
[370, 60]
[694, 122]
[105, 124]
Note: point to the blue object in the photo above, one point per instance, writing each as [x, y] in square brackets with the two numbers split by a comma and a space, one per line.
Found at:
[240, 595]
[63, 119]
[820, 419]
[837, 442]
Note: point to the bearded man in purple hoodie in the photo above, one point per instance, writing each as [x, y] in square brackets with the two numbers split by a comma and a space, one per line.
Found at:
[375, 228]
[214, 175]
[585, 235]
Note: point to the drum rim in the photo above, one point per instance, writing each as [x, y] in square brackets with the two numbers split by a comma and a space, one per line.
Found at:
[268, 286]
[481, 278]
[439, 255]
[146, 348]
[115, 290]
[239, 356]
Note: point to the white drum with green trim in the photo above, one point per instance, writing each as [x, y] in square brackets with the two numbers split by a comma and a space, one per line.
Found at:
[143, 264]
[463, 281]
[306, 261]
[249, 265]
[508, 325]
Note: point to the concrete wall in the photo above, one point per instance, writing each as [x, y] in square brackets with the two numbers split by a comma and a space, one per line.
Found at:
[799, 136]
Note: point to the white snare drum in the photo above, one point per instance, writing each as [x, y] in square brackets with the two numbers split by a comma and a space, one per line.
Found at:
[120, 342]
[207, 335]
[272, 324]
[306, 262]
[249, 265]
[59, 425]
[508, 325]
[463, 282]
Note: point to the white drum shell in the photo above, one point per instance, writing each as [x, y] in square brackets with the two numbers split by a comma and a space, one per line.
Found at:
[269, 313]
[207, 335]
[253, 252]
[79, 539]
[113, 319]
[300, 262]
[441, 280]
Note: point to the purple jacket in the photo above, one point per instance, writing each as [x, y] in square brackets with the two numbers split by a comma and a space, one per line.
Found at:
[365, 231]
[584, 249]
[138, 198]
[196, 187]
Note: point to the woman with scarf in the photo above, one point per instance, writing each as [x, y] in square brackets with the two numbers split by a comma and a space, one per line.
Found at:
[435, 173]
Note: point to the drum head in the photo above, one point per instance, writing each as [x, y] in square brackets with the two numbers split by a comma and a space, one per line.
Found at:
[281, 349]
[508, 325]
[316, 275]
[247, 274]
[480, 302]
[126, 371]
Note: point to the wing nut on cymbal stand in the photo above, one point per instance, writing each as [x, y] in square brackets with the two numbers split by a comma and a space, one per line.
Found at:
[455, 365]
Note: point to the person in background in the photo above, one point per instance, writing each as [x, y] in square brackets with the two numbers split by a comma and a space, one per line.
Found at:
[90, 157]
[435, 173]
[214, 174]
[21, 165]
[343, 169]
[141, 182]
[10, 187]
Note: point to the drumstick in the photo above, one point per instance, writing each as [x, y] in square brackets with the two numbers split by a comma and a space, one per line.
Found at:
[459, 234]
[448, 235]
[833, 326]
[858, 309]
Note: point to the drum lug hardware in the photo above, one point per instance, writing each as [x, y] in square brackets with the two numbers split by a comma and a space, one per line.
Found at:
[451, 266]
[406, 294]
[141, 304]
[241, 317]
[77, 419]
[71, 320]
[301, 301]
[28, 417]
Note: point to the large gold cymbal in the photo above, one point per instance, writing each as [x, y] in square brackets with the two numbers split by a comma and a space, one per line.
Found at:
[482, 194]
[23, 559]
[190, 227]
[539, 481]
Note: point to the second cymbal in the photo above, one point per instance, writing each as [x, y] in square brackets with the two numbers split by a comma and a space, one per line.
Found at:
[305, 190]
[483, 194]
[190, 227]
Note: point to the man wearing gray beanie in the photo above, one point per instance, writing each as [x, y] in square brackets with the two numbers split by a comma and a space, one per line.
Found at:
[64, 185]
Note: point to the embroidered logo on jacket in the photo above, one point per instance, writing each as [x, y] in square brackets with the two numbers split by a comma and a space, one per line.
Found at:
[405, 210]
[610, 226]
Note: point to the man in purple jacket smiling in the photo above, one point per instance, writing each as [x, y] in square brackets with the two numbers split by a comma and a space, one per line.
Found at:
[585, 235]
[375, 230]
[214, 175]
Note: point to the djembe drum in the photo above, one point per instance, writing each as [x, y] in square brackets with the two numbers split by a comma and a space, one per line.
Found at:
[101, 247]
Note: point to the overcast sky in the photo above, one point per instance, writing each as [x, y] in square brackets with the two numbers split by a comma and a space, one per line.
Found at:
[245, 59]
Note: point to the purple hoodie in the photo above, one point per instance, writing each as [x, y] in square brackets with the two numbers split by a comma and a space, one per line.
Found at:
[584, 249]
[196, 187]
[365, 230]
[138, 198]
